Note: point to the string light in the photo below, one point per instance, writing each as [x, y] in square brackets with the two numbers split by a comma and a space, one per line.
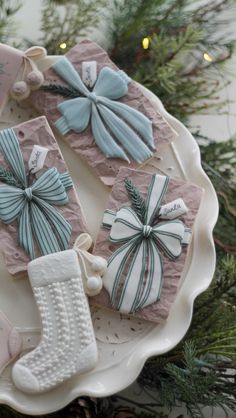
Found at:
[63, 45]
[207, 57]
[145, 42]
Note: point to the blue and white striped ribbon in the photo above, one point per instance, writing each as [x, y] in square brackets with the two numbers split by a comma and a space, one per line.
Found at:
[134, 276]
[31, 205]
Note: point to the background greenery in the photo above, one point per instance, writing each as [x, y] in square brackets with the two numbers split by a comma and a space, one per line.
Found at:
[184, 65]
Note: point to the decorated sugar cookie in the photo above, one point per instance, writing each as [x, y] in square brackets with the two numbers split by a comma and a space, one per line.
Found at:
[67, 345]
[102, 114]
[39, 208]
[145, 235]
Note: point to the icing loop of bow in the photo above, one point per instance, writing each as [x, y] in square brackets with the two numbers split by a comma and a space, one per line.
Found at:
[135, 272]
[92, 267]
[117, 129]
[31, 205]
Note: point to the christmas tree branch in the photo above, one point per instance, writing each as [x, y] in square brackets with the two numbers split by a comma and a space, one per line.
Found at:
[65, 91]
[138, 203]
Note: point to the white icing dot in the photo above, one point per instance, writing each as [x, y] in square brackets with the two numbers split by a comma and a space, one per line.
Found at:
[99, 265]
[93, 283]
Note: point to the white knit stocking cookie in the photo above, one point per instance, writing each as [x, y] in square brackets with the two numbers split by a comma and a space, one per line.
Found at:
[68, 344]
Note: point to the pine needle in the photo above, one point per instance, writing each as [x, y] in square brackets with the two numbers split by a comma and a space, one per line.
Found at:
[61, 90]
[8, 177]
[138, 203]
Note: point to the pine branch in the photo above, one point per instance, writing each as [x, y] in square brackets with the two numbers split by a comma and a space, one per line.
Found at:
[194, 381]
[61, 90]
[138, 203]
[8, 177]
[67, 22]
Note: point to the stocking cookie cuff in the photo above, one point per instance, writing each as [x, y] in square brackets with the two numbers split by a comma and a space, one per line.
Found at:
[53, 267]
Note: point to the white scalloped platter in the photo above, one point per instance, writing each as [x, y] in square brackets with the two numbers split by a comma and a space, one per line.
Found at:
[124, 343]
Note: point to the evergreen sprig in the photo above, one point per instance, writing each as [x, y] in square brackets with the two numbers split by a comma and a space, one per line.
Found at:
[174, 67]
[8, 177]
[8, 10]
[138, 202]
[67, 21]
[65, 91]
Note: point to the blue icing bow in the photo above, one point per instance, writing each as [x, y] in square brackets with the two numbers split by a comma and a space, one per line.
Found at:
[116, 127]
[31, 205]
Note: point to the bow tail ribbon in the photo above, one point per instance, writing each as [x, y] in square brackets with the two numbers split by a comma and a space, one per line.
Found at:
[152, 282]
[25, 232]
[116, 267]
[126, 136]
[61, 229]
[103, 138]
[51, 231]
[141, 266]
[137, 120]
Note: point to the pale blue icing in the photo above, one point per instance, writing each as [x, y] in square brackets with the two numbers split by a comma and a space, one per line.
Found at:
[119, 130]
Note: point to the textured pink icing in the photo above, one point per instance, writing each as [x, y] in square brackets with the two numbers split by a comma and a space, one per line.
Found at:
[191, 195]
[83, 143]
[37, 131]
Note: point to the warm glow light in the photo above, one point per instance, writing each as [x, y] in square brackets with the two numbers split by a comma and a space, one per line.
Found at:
[207, 57]
[145, 43]
[63, 45]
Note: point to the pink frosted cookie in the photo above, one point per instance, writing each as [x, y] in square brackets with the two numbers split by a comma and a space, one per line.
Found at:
[10, 342]
[102, 114]
[39, 208]
[145, 234]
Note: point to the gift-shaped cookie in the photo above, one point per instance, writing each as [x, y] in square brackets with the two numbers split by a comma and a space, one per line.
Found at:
[39, 209]
[102, 114]
[145, 236]
[19, 74]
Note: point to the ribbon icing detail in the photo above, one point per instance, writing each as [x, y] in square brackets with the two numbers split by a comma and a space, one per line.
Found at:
[134, 276]
[118, 130]
[32, 205]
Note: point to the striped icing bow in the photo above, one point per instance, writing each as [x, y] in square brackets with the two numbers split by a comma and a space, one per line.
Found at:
[135, 272]
[117, 129]
[32, 205]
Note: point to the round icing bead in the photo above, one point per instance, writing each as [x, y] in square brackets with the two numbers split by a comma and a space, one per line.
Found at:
[99, 265]
[34, 79]
[20, 90]
[93, 283]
